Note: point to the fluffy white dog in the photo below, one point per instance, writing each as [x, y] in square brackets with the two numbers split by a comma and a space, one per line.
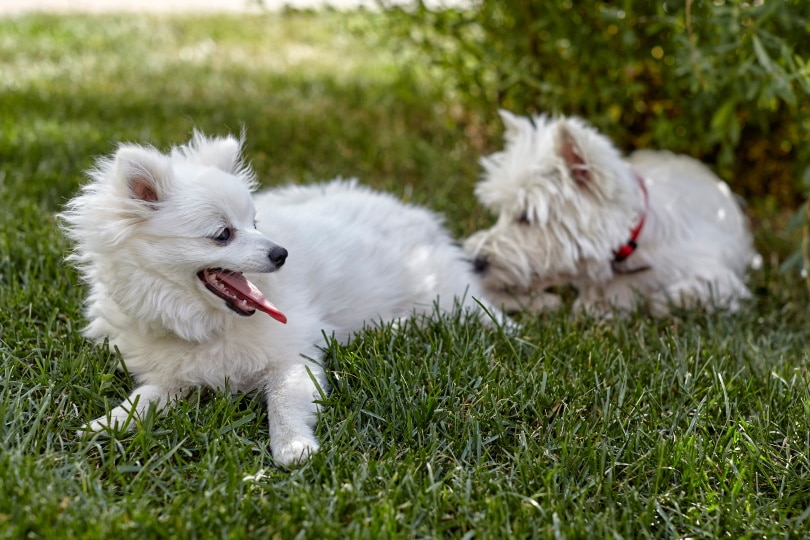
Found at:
[650, 231]
[179, 257]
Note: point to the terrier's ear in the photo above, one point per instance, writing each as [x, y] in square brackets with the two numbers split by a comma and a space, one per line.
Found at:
[145, 172]
[570, 151]
[224, 153]
[513, 124]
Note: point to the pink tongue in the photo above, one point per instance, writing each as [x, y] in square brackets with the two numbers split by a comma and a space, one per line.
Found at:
[246, 290]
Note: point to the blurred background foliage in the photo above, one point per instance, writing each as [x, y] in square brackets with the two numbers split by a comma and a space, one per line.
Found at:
[724, 81]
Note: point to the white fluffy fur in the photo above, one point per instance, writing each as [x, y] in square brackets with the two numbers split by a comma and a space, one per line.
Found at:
[144, 226]
[565, 199]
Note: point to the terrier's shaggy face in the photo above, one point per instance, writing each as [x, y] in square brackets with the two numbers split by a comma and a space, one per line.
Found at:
[559, 210]
[569, 210]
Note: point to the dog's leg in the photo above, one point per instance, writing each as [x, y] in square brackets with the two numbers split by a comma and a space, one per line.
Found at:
[292, 412]
[534, 302]
[135, 406]
[617, 298]
[722, 290]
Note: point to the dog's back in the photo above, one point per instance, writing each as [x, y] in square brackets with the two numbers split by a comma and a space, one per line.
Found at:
[694, 201]
[364, 256]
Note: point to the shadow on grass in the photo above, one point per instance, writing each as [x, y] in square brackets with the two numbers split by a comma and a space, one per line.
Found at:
[297, 130]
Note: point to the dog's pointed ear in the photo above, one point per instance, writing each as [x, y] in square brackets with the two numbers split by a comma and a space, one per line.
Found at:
[569, 149]
[513, 124]
[145, 172]
[224, 153]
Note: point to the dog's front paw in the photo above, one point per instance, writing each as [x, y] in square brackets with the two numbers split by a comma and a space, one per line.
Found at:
[512, 302]
[544, 301]
[597, 308]
[107, 424]
[295, 451]
[97, 426]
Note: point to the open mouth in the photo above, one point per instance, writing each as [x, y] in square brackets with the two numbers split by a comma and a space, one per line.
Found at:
[239, 294]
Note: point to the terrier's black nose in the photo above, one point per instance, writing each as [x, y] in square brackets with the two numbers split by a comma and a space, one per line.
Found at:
[480, 264]
[277, 255]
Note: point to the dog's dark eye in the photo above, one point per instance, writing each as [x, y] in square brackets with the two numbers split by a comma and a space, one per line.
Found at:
[523, 218]
[224, 235]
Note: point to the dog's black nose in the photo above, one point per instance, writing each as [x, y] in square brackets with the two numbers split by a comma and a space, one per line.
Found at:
[480, 264]
[277, 255]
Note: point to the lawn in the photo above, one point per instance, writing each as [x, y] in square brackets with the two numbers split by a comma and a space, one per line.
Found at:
[696, 426]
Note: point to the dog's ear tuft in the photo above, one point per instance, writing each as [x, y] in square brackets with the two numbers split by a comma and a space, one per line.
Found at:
[144, 172]
[224, 153]
[513, 124]
[570, 151]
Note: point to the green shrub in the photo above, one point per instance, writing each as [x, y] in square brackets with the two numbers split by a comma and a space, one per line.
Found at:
[724, 81]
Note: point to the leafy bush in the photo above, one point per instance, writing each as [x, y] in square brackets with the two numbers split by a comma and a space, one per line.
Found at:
[725, 81]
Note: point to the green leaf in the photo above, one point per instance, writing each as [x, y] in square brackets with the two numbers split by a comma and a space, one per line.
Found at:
[725, 125]
[762, 55]
[794, 262]
[798, 219]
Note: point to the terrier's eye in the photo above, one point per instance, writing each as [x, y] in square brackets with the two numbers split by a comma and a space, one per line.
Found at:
[523, 218]
[224, 236]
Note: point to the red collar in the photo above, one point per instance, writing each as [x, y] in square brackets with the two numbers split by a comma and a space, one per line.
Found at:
[628, 248]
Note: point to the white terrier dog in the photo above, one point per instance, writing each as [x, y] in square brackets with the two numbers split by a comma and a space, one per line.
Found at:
[167, 243]
[651, 231]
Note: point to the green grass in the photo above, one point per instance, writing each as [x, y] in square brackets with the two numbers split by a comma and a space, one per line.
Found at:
[697, 426]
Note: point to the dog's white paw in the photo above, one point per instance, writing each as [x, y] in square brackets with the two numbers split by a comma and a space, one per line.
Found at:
[599, 309]
[106, 424]
[544, 301]
[294, 452]
[92, 428]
